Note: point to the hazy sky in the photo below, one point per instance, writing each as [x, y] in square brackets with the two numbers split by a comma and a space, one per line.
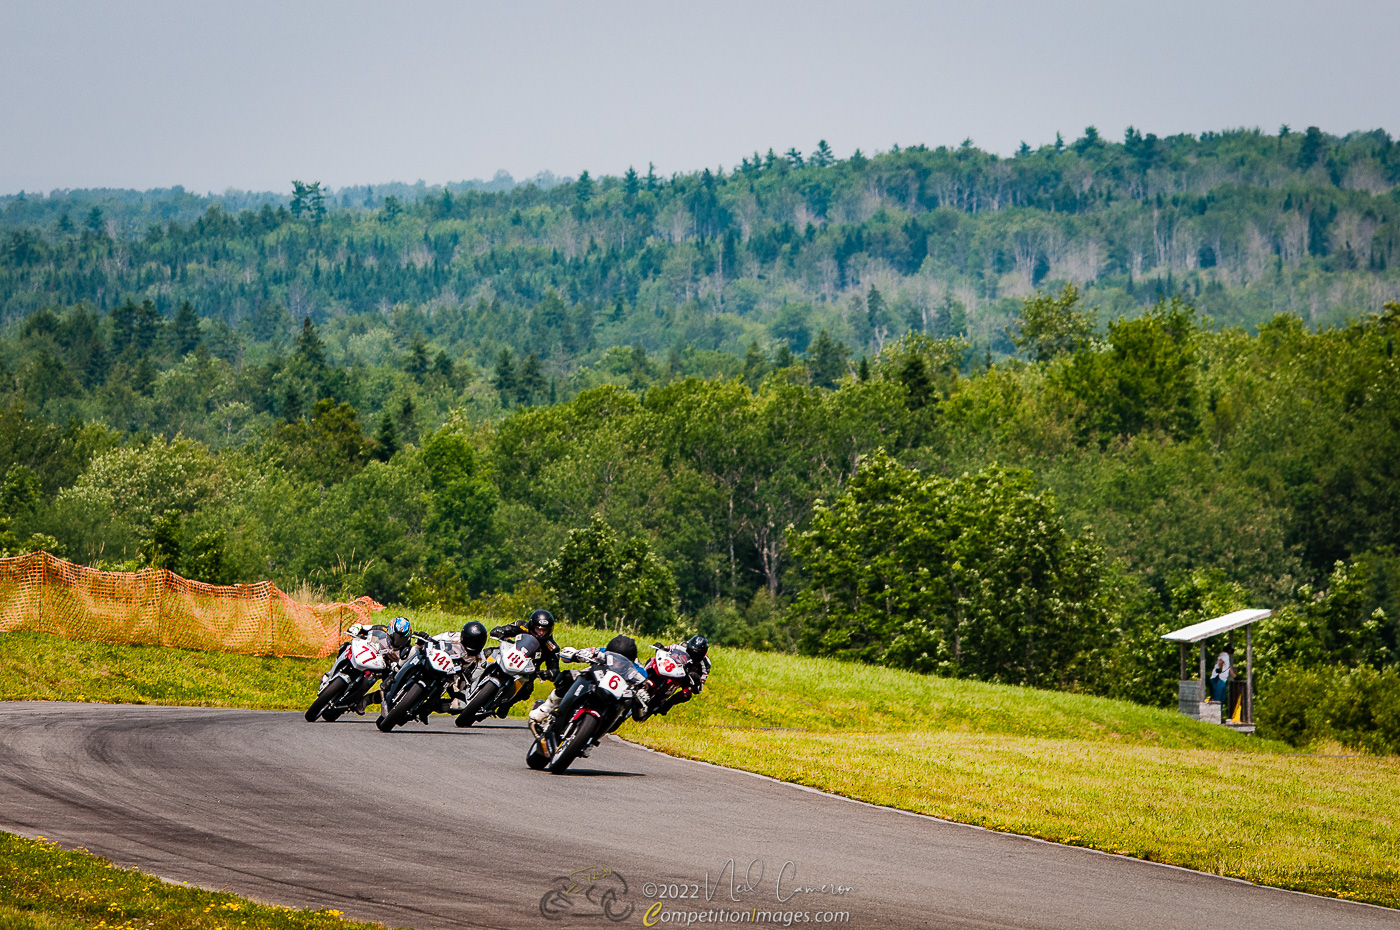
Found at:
[253, 94]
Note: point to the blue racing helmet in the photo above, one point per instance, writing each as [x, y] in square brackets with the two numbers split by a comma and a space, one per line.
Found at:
[398, 632]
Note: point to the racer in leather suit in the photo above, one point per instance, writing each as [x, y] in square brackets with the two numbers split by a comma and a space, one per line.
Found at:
[623, 645]
[398, 643]
[541, 626]
[697, 672]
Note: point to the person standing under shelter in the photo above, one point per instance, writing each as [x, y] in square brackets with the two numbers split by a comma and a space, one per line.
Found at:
[1220, 678]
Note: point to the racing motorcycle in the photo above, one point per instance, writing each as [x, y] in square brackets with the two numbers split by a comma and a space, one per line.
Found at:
[418, 686]
[666, 674]
[506, 670]
[596, 703]
[358, 665]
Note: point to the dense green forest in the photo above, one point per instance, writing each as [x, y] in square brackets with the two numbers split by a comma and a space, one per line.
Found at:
[1006, 418]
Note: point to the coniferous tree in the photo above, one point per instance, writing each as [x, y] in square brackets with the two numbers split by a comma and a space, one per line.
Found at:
[505, 381]
[408, 419]
[300, 196]
[386, 438]
[310, 350]
[147, 324]
[184, 330]
[417, 364]
[1312, 148]
[123, 320]
[531, 384]
[443, 368]
[755, 365]
[291, 405]
[874, 309]
[583, 188]
[918, 387]
[826, 360]
[316, 203]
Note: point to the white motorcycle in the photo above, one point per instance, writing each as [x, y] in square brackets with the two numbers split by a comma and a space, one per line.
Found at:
[506, 671]
[359, 664]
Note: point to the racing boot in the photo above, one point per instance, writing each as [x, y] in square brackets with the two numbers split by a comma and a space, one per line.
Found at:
[371, 698]
[543, 710]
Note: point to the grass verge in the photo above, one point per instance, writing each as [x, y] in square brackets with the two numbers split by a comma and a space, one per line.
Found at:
[43, 887]
[1109, 775]
[1327, 826]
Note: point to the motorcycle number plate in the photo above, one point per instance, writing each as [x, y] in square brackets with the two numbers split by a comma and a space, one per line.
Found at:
[363, 654]
[514, 660]
[613, 682]
[441, 661]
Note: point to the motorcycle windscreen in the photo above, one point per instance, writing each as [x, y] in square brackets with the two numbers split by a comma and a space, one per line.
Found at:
[623, 666]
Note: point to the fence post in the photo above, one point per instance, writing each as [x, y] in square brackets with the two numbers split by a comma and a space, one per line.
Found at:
[268, 588]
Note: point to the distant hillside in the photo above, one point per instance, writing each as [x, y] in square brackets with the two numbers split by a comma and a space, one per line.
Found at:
[1242, 223]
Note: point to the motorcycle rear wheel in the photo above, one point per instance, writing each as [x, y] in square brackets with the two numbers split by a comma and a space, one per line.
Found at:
[576, 743]
[483, 697]
[333, 689]
[402, 707]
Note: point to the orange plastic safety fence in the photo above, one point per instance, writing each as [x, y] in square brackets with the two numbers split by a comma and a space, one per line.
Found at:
[155, 607]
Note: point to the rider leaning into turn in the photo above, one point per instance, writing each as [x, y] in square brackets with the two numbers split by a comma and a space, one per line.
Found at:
[464, 646]
[541, 626]
[400, 632]
[697, 671]
[620, 644]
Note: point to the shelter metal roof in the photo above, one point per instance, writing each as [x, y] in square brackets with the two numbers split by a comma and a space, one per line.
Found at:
[1207, 628]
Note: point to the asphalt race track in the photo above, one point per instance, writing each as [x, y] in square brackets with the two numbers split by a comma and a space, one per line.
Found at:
[439, 827]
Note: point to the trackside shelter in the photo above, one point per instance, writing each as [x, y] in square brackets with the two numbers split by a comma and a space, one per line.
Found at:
[1192, 694]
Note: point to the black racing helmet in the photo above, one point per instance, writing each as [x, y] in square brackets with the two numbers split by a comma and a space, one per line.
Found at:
[473, 637]
[697, 646]
[541, 623]
[623, 646]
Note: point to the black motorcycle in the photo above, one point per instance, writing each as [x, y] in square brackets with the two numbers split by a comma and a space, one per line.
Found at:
[596, 703]
[418, 688]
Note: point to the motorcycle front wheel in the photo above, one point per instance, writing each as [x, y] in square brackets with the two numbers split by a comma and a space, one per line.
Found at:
[483, 698]
[333, 689]
[576, 743]
[400, 711]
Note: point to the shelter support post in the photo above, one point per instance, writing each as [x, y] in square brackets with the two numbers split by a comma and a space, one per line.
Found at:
[1203, 663]
[1249, 674]
[1183, 661]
